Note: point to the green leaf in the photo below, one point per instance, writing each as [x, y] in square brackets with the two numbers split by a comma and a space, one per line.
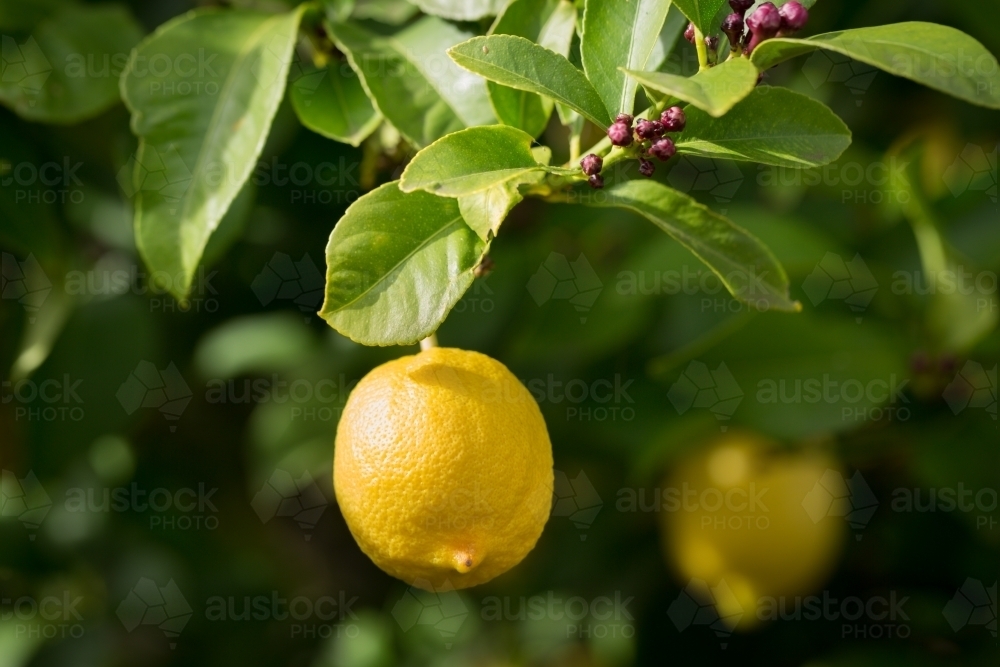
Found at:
[937, 56]
[461, 10]
[201, 126]
[701, 13]
[67, 70]
[390, 12]
[485, 211]
[672, 30]
[16, 15]
[771, 126]
[619, 35]
[551, 25]
[715, 90]
[338, 10]
[332, 102]
[745, 266]
[522, 64]
[412, 82]
[396, 264]
[470, 161]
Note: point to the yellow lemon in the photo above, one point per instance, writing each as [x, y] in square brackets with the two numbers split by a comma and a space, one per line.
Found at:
[443, 468]
[735, 517]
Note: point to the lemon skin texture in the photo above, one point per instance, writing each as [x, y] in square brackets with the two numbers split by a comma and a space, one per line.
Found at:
[443, 468]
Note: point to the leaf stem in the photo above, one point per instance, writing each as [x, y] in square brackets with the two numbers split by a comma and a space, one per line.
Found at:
[574, 147]
[699, 45]
[429, 342]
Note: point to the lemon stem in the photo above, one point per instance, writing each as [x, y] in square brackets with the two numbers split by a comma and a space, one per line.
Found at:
[429, 342]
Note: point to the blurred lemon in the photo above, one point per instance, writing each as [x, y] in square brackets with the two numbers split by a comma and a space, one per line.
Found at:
[733, 517]
[443, 468]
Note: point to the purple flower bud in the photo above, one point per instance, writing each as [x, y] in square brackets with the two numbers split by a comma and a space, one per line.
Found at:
[673, 119]
[741, 6]
[793, 16]
[663, 149]
[763, 24]
[732, 25]
[624, 118]
[648, 129]
[591, 164]
[620, 134]
[646, 168]
[596, 181]
[689, 33]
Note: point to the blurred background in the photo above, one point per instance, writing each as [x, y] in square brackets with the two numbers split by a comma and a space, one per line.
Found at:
[166, 481]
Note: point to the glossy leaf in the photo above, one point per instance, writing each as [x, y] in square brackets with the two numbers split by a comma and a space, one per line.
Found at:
[396, 264]
[745, 266]
[200, 127]
[332, 102]
[715, 90]
[619, 35]
[520, 63]
[526, 18]
[771, 126]
[67, 69]
[701, 13]
[485, 211]
[937, 56]
[461, 10]
[670, 34]
[470, 161]
[411, 81]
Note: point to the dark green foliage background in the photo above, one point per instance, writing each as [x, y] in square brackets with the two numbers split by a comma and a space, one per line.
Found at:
[646, 340]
